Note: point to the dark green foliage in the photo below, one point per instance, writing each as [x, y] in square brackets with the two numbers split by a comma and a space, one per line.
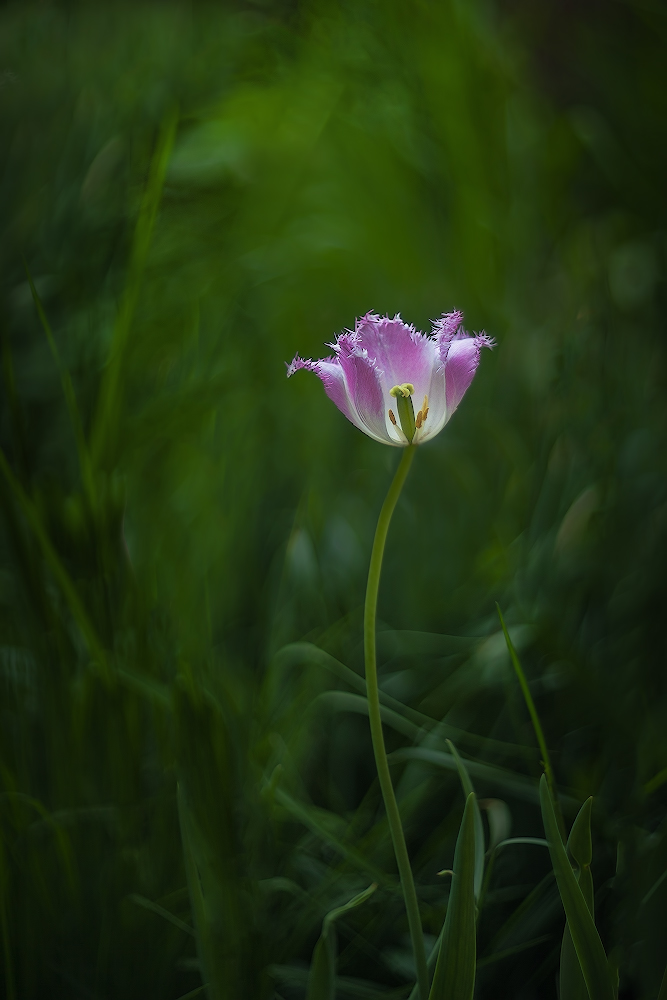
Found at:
[191, 193]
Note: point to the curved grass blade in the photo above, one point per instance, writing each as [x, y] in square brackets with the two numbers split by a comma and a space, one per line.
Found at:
[499, 817]
[345, 701]
[535, 719]
[518, 785]
[322, 977]
[585, 937]
[304, 653]
[455, 971]
[480, 847]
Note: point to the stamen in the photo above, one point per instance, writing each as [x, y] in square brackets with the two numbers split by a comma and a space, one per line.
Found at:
[419, 420]
[425, 406]
[392, 417]
[425, 414]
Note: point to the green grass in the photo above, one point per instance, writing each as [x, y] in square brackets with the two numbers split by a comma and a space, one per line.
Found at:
[186, 772]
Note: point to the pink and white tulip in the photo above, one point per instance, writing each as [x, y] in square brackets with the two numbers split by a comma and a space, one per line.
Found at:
[377, 369]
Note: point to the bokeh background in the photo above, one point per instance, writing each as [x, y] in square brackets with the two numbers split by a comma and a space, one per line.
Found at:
[198, 192]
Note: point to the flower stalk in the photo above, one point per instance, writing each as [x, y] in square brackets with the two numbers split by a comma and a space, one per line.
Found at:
[377, 736]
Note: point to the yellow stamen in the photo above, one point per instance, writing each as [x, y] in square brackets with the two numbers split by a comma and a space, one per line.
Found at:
[419, 420]
[425, 414]
[392, 417]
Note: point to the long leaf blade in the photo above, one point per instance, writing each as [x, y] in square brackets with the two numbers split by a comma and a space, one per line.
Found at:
[105, 424]
[585, 937]
[455, 971]
[579, 844]
[534, 717]
[480, 847]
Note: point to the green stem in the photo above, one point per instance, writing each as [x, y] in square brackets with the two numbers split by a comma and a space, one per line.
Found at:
[377, 736]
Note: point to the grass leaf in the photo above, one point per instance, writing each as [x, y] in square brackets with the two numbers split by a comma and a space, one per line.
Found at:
[480, 847]
[60, 574]
[535, 719]
[579, 844]
[585, 937]
[105, 425]
[322, 978]
[455, 971]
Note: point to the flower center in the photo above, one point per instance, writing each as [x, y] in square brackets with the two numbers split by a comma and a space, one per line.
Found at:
[406, 412]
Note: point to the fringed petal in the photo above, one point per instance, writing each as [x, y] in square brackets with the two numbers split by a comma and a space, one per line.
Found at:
[461, 365]
[351, 382]
[401, 353]
[363, 381]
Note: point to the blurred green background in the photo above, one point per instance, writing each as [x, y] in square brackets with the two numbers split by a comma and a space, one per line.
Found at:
[198, 192]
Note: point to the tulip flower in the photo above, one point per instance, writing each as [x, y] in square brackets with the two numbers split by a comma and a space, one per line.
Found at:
[384, 369]
[372, 376]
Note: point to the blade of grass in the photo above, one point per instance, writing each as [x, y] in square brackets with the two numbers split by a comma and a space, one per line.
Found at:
[662, 995]
[322, 978]
[193, 993]
[304, 653]
[455, 971]
[148, 904]
[656, 781]
[345, 701]
[60, 574]
[585, 937]
[492, 860]
[197, 901]
[50, 822]
[579, 844]
[520, 915]
[516, 950]
[515, 784]
[480, 848]
[309, 820]
[535, 719]
[105, 423]
[85, 466]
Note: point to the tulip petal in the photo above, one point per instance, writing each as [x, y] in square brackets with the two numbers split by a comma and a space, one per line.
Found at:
[364, 388]
[460, 367]
[401, 353]
[353, 385]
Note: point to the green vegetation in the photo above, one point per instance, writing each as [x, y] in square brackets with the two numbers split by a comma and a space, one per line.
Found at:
[190, 194]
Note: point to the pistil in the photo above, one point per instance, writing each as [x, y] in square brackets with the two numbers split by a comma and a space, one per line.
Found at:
[406, 412]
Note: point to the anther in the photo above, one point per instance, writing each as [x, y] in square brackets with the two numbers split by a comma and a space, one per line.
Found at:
[425, 414]
[419, 419]
[392, 417]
